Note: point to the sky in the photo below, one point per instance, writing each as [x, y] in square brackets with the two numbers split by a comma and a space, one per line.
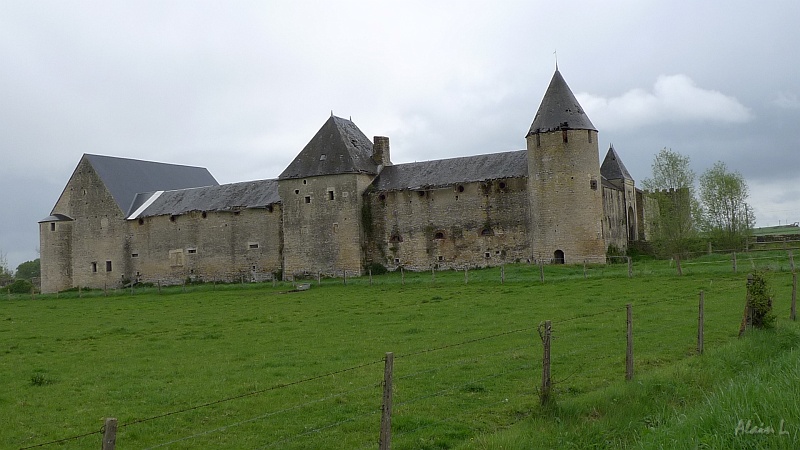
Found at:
[240, 87]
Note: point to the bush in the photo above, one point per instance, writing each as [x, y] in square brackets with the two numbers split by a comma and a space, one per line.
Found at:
[759, 299]
[376, 268]
[20, 287]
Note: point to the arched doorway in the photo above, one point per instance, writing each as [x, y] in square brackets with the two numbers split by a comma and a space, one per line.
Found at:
[558, 257]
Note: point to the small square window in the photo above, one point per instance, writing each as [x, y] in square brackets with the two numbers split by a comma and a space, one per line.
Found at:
[308, 199]
[593, 184]
[487, 255]
[108, 266]
[441, 258]
[52, 226]
[191, 250]
[397, 260]
[134, 255]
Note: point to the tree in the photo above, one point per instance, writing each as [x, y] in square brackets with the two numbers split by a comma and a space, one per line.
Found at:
[5, 273]
[28, 270]
[726, 215]
[672, 185]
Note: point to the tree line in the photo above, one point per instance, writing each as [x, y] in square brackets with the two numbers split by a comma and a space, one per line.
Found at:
[718, 213]
[21, 280]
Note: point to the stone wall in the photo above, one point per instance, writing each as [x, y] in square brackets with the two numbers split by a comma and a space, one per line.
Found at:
[464, 225]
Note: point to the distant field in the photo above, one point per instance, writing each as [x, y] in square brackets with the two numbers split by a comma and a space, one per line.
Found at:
[256, 366]
[769, 231]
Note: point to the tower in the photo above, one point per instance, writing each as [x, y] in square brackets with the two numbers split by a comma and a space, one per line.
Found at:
[564, 180]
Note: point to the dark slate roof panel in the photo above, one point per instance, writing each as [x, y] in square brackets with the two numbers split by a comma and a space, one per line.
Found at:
[225, 197]
[560, 109]
[445, 172]
[338, 147]
[57, 218]
[124, 178]
[612, 167]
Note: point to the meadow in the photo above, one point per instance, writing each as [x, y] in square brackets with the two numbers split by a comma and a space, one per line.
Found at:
[263, 366]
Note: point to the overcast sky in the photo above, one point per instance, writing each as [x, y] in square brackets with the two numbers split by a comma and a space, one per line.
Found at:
[240, 87]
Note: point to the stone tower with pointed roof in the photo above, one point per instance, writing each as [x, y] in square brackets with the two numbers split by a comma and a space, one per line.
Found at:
[321, 191]
[564, 180]
[614, 173]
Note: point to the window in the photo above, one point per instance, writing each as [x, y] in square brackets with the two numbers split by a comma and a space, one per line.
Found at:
[108, 266]
[558, 257]
[141, 221]
[397, 260]
[487, 232]
[330, 195]
[191, 251]
[439, 235]
[502, 185]
[204, 214]
[94, 267]
[590, 135]
[441, 258]
[305, 181]
[172, 218]
[460, 188]
[335, 228]
[308, 199]
[134, 255]
[487, 255]
[538, 140]
[564, 136]
[396, 238]
[593, 184]
[252, 245]
[297, 191]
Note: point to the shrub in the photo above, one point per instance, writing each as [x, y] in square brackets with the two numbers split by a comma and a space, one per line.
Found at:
[759, 299]
[20, 287]
[376, 268]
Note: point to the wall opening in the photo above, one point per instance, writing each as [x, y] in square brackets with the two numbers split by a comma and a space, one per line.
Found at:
[330, 195]
[439, 235]
[396, 238]
[487, 232]
[52, 226]
[252, 245]
[108, 266]
[558, 257]
[94, 267]
[308, 199]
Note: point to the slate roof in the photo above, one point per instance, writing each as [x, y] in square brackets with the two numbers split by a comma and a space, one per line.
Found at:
[612, 167]
[445, 172]
[560, 109]
[225, 197]
[338, 147]
[125, 178]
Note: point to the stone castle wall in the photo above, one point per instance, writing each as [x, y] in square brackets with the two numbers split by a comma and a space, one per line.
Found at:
[464, 225]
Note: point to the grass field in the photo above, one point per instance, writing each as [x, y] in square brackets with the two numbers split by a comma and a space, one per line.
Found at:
[256, 366]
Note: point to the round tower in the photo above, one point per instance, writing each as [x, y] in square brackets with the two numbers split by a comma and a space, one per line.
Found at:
[564, 184]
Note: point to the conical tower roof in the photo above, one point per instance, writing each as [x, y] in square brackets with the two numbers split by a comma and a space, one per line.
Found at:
[560, 110]
[338, 147]
[612, 168]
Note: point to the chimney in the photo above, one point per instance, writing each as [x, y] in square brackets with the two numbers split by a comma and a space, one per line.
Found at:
[380, 151]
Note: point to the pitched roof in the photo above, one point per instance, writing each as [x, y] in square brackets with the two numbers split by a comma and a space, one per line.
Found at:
[444, 172]
[225, 197]
[560, 109]
[338, 147]
[612, 167]
[124, 178]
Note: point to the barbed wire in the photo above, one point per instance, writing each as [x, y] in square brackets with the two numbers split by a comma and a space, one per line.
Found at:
[459, 362]
[370, 412]
[67, 439]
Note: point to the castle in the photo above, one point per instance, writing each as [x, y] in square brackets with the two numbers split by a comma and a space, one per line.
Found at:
[342, 206]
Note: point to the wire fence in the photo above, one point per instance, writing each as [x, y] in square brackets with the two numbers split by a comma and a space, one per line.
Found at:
[442, 394]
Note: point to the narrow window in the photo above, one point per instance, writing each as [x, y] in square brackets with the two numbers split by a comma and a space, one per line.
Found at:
[252, 245]
[141, 221]
[460, 188]
[297, 191]
[397, 260]
[330, 195]
[593, 184]
[204, 214]
[538, 140]
[269, 208]
[108, 266]
[335, 228]
[172, 218]
[590, 135]
[134, 255]
[94, 267]
[308, 199]
[305, 181]
[52, 226]
[191, 251]
[439, 235]
[564, 135]
[487, 232]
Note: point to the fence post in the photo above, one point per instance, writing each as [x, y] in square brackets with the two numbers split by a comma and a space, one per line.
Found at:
[541, 270]
[584, 269]
[791, 260]
[502, 274]
[734, 262]
[402, 276]
[370, 276]
[433, 274]
[344, 277]
[110, 434]
[386, 411]
[747, 318]
[793, 313]
[630, 268]
[709, 247]
[466, 275]
[678, 265]
[319, 277]
[700, 330]
[545, 392]
[629, 349]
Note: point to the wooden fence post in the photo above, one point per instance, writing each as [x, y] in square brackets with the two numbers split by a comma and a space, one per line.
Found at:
[678, 265]
[159, 286]
[541, 270]
[385, 442]
[584, 269]
[709, 247]
[700, 330]
[370, 276]
[629, 349]
[793, 313]
[734, 262]
[630, 268]
[502, 274]
[80, 292]
[402, 276]
[791, 260]
[344, 277]
[319, 277]
[466, 276]
[545, 392]
[110, 434]
[433, 274]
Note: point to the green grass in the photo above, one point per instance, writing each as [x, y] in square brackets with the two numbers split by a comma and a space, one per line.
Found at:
[303, 369]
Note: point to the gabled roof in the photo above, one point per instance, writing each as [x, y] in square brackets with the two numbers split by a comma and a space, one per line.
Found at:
[225, 197]
[124, 178]
[338, 147]
[444, 172]
[560, 109]
[612, 167]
